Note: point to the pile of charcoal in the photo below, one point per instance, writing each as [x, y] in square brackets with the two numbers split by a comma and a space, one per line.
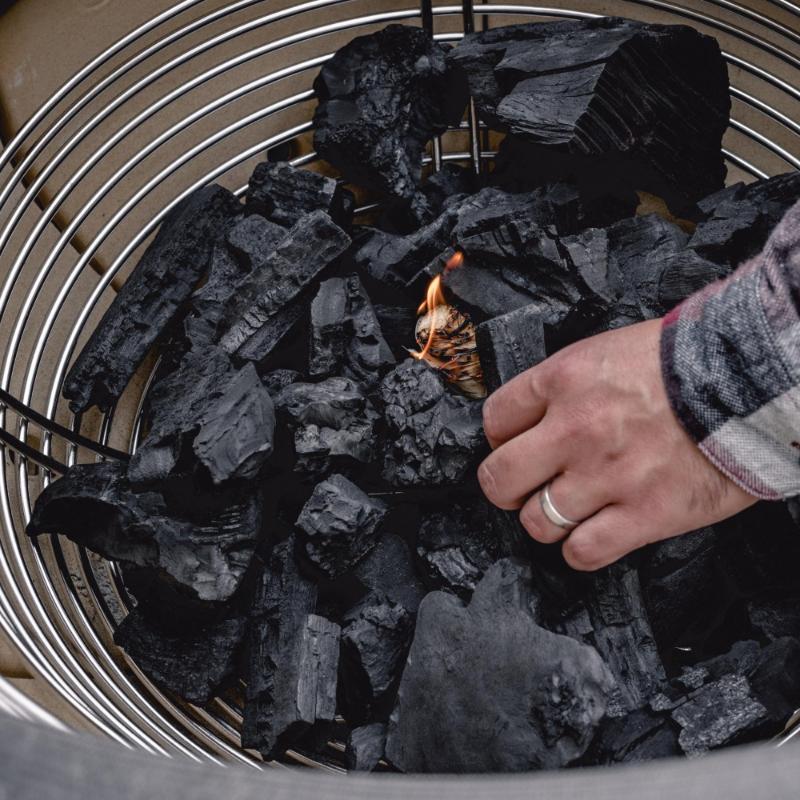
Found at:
[301, 527]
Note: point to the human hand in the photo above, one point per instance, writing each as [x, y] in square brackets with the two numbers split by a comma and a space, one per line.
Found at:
[595, 422]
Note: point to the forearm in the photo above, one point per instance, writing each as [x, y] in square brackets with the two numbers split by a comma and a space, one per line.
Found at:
[731, 365]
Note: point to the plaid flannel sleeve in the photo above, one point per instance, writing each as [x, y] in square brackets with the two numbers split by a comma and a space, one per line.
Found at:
[730, 356]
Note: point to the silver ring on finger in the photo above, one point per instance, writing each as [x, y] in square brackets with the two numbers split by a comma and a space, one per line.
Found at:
[552, 513]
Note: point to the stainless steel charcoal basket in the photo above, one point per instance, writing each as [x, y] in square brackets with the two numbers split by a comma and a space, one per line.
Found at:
[197, 94]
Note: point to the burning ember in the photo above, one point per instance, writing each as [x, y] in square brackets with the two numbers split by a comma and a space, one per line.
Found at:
[447, 337]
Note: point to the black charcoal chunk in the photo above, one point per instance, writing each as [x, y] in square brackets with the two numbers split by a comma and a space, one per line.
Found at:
[773, 617]
[382, 97]
[644, 104]
[332, 421]
[346, 338]
[340, 522]
[292, 659]
[613, 619]
[162, 280]
[639, 736]
[458, 545]
[437, 437]
[388, 568]
[397, 325]
[365, 747]
[376, 635]
[486, 689]
[451, 181]
[95, 506]
[191, 662]
[279, 379]
[718, 714]
[775, 680]
[740, 218]
[510, 344]
[306, 249]
[253, 241]
[283, 193]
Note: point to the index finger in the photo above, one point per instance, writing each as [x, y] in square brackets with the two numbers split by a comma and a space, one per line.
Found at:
[513, 408]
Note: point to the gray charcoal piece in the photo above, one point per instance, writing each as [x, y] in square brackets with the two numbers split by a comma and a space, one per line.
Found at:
[95, 506]
[283, 193]
[651, 100]
[458, 545]
[365, 747]
[340, 522]
[161, 282]
[279, 379]
[330, 421]
[486, 689]
[192, 663]
[717, 715]
[346, 338]
[253, 241]
[306, 249]
[382, 97]
[437, 436]
[389, 568]
[236, 434]
[275, 332]
[376, 635]
[639, 736]
[510, 344]
[291, 661]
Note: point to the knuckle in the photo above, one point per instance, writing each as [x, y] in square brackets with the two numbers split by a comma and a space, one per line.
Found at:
[581, 553]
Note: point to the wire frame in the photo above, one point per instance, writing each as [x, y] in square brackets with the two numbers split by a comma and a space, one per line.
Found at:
[201, 93]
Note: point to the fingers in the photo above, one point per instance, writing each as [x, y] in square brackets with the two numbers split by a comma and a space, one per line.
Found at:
[605, 537]
[575, 497]
[514, 407]
[516, 469]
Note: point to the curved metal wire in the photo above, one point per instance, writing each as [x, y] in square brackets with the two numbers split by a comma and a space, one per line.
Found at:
[55, 601]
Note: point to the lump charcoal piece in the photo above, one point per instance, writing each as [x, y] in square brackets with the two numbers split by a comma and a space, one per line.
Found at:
[253, 241]
[620, 631]
[772, 616]
[292, 659]
[306, 249]
[396, 322]
[163, 279]
[388, 567]
[457, 546]
[283, 193]
[449, 182]
[365, 747]
[192, 663]
[639, 736]
[651, 101]
[376, 635]
[510, 344]
[346, 338]
[740, 218]
[95, 506]
[382, 97]
[775, 680]
[437, 436]
[236, 435]
[331, 421]
[279, 379]
[486, 689]
[340, 522]
[276, 331]
[718, 714]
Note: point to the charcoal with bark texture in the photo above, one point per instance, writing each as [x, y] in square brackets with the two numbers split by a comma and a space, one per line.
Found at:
[437, 437]
[382, 97]
[332, 423]
[346, 338]
[305, 251]
[613, 619]
[340, 522]
[641, 735]
[739, 218]
[191, 662]
[487, 689]
[510, 344]
[95, 506]
[365, 747]
[253, 241]
[161, 282]
[646, 104]
[458, 545]
[278, 379]
[210, 413]
[292, 659]
[376, 635]
[283, 193]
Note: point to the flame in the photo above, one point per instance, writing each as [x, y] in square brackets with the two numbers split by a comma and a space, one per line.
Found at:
[434, 297]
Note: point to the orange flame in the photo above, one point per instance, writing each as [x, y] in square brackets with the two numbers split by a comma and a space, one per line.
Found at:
[434, 296]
